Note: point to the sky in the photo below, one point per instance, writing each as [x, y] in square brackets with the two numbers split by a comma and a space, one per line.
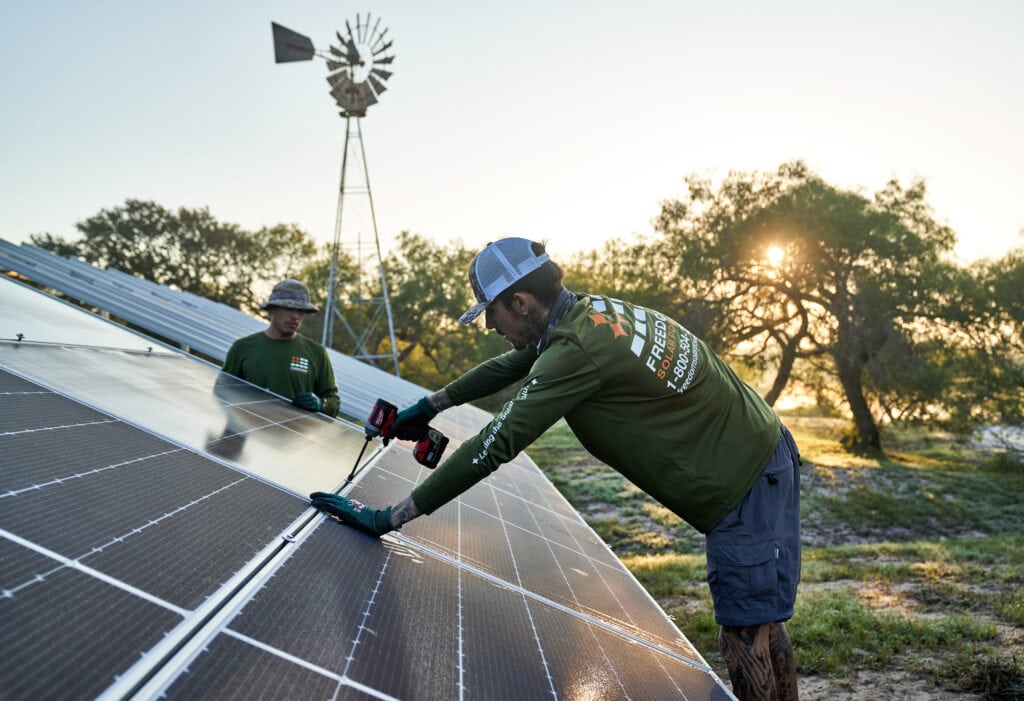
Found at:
[568, 121]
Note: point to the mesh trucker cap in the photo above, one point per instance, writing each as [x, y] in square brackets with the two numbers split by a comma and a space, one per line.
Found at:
[495, 268]
[290, 294]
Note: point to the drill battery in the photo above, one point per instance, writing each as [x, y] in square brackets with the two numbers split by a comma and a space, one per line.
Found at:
[430, 448]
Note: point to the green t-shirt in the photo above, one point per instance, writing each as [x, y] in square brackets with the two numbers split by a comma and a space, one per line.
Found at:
[285, 366]
[643, 395]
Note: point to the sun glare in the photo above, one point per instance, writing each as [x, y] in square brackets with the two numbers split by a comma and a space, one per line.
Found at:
[774, 254]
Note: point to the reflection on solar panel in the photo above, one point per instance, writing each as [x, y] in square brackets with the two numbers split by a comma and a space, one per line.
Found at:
[155, 540]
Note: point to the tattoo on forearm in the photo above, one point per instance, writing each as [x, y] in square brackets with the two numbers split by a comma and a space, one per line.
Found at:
[404, 511]
[439, 400]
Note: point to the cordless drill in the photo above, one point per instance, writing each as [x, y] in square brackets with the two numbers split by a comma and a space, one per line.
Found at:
[380, 420]
[428, 449]
[378, 423]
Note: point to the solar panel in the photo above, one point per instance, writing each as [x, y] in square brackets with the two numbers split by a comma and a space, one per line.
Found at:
[155, 540]
[191, 322]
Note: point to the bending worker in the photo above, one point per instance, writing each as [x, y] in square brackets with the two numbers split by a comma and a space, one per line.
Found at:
[282, 361]
[653, 401]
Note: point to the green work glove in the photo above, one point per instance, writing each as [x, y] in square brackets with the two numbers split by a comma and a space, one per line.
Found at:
[411, 422]
[308, 400]
[353, 513]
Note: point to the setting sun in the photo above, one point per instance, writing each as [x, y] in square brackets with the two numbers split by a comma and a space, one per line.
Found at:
[774, 254]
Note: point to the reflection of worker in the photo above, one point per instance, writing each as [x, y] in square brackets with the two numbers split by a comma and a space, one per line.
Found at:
[282, 361]
[650, 399]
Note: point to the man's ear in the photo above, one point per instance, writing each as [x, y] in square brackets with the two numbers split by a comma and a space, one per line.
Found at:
[517, 303]
[521, 302]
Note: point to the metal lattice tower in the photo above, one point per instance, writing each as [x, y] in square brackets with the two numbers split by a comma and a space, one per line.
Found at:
[357, 78]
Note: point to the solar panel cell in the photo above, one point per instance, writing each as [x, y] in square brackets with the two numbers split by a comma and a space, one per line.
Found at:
[234, 669]
[67, 634]
[200, 545]
[316, 602]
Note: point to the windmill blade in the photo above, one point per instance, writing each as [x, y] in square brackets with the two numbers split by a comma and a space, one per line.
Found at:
[383, 75]
[367, 94]
[344, 94]
[353, 52]
[290, 45]
[383, 48]
[339, 81]
[374, 37]
[341, 95]
[335, 65]
[354, 98]
[386, 59]
[361, 27]
[349, 94]
[378, 86]
[377, 40]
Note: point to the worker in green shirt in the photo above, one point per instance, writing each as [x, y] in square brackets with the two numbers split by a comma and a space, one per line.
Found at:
[646, 396]
[282, 361]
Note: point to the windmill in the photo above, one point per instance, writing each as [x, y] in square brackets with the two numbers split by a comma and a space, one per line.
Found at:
[357, 76]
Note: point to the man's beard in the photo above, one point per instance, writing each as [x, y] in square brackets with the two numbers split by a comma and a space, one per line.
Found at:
[536, 325]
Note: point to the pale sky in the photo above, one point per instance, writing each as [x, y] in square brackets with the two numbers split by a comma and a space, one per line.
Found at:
[564, 120]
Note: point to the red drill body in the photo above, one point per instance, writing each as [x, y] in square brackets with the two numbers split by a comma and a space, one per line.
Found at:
[428, 450]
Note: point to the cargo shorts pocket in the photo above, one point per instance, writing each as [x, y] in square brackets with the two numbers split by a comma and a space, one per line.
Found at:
[744, 581]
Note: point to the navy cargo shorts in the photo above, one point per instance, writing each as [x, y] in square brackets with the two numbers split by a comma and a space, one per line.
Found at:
[754, 552]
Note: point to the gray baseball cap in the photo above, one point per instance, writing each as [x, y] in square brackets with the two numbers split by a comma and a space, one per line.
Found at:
[496, 267]
[290, 294]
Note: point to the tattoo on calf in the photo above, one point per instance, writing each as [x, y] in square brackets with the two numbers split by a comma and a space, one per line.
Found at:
[760, 662]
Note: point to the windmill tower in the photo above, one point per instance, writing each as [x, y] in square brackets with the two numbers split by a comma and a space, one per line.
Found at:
[357, 76]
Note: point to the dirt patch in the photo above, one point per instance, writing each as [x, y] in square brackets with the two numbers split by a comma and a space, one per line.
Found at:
[876, 686]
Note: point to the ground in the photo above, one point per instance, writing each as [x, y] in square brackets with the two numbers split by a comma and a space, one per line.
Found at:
[877, 686]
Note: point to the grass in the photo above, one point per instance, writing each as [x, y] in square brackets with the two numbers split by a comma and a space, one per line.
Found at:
[914, 562]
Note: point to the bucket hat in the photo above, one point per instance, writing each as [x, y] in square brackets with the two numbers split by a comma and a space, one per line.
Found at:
[290, 294]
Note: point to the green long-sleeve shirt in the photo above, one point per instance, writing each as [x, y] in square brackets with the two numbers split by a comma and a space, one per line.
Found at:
[643, 395]
[285, 366]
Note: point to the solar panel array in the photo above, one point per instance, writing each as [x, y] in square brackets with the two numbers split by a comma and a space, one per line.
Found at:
[190, 322]
[156, 541]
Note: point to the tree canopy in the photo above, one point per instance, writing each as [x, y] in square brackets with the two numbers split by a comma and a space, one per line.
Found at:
[799, 270]
[189, 250]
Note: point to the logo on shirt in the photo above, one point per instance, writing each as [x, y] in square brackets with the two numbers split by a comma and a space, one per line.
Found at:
[613, 320]
[663, 346]
[299, 364]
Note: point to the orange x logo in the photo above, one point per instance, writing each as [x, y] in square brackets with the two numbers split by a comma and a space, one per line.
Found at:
[613, 320]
